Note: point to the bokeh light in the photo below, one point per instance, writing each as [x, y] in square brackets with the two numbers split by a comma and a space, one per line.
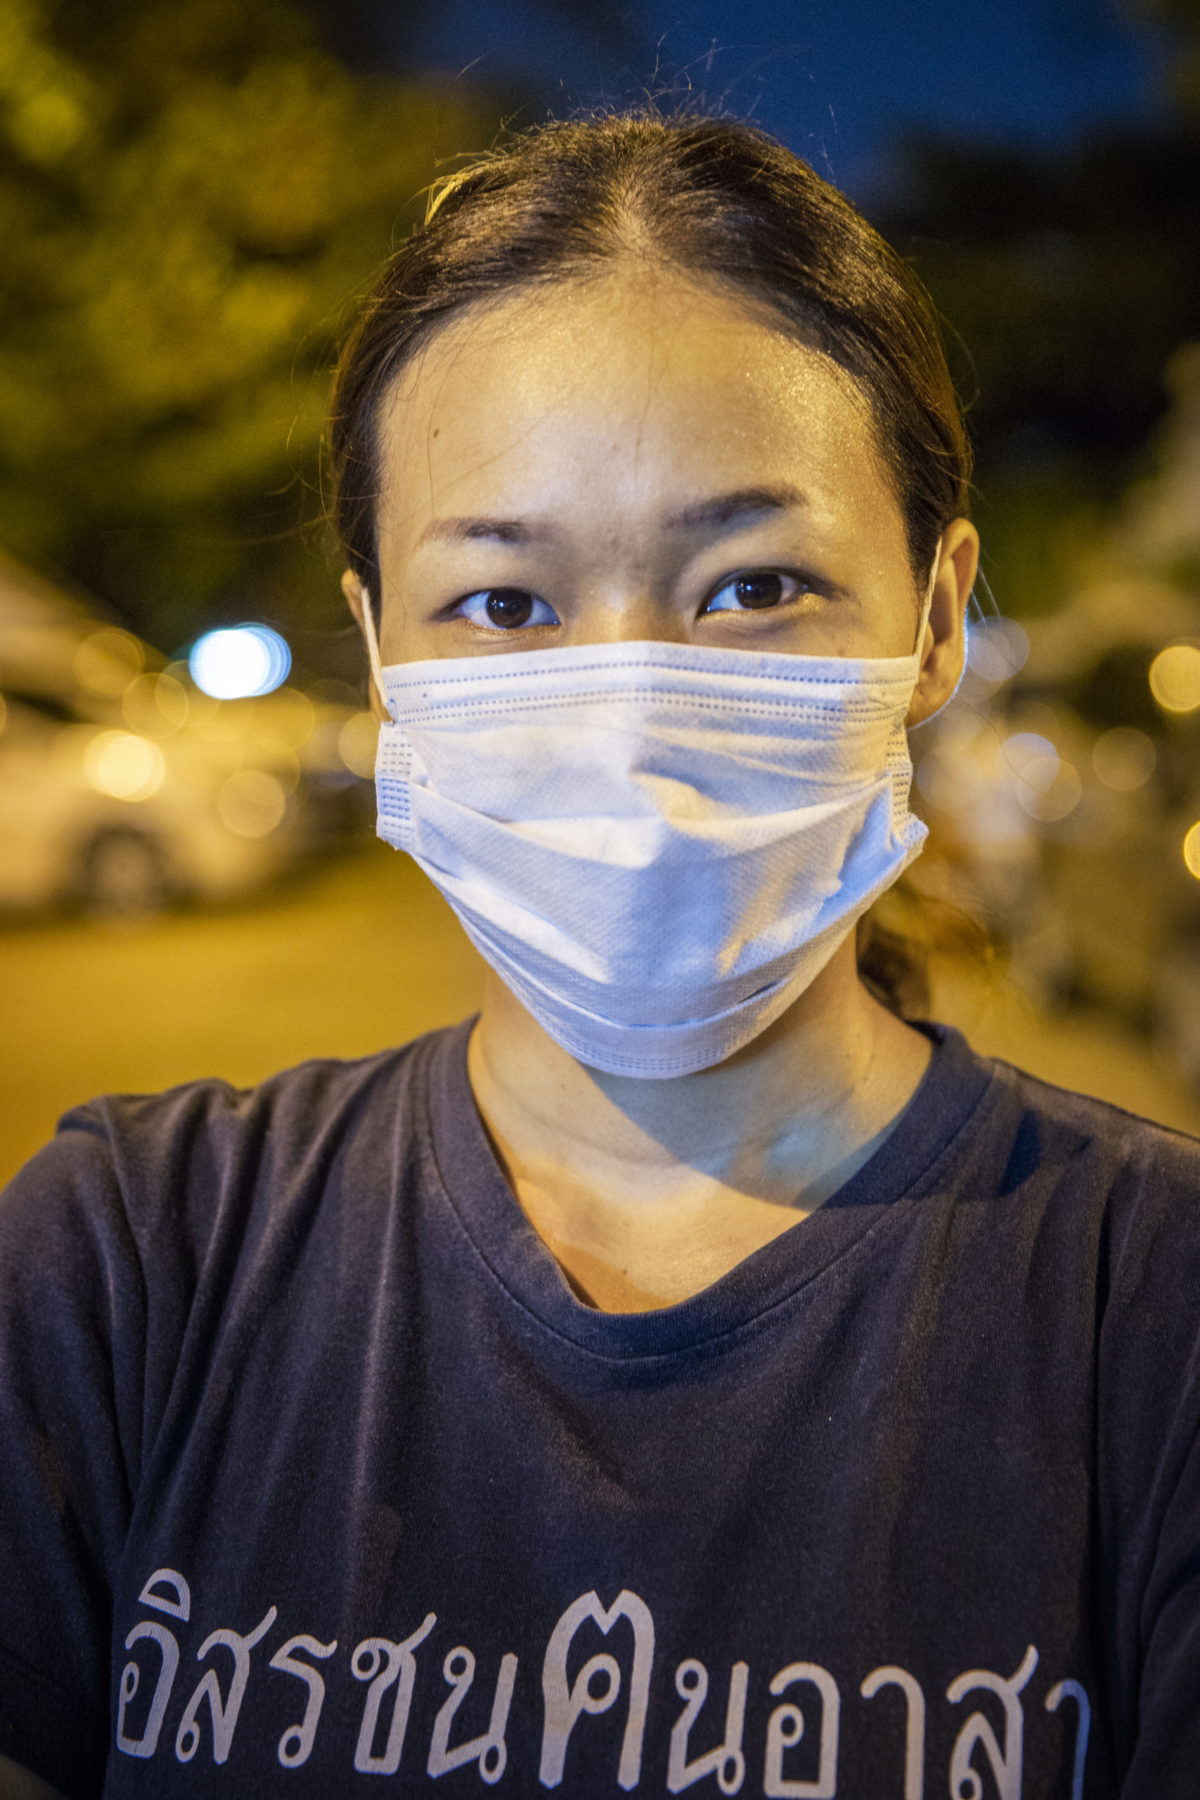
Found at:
[1033, 757]
[1175, 678]
[1047, 787]
[1191, 850]
[357, 743]
[997, 649]
[239, 662]
[107, 661]
[289, 720]
[123, 766]
[155, 705]
[251, 803]
[1059, 797]
[1124, 759]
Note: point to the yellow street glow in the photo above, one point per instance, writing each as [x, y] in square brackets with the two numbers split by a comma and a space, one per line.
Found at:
[1175, 678]
[1123, 759]
[357, 743]
[251, 803]
[107, 661]
[1191, 850]
[155, 705]
[123, 766]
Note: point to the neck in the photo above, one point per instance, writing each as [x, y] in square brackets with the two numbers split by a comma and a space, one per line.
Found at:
[746, 1147]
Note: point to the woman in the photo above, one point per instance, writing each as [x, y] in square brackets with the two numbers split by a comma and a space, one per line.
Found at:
[689, 1374]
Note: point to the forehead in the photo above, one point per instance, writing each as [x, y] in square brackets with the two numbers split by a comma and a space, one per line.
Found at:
[654, 384]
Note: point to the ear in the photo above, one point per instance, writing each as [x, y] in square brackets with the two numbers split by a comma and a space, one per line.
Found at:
[356, 600]
[944, 646]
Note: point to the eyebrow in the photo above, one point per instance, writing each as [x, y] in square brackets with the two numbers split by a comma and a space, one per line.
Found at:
[469, 531]
[725, 512]
[722, 512]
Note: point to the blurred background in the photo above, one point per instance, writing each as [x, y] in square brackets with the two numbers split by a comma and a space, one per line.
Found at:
[193, 194]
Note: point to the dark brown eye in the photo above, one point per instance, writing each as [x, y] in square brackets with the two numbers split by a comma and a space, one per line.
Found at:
[759, 590]
[756, 592]
[508, 606]
[505, 609]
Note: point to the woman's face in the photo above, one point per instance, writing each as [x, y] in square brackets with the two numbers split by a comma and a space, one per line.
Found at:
[633, 458]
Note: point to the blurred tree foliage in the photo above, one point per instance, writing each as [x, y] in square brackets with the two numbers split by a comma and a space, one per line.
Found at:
[191, 189]
[188, 194]
[1068, 280]
[1180, 19]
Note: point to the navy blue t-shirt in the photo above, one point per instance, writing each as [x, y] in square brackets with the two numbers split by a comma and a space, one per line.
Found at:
[317, 1479]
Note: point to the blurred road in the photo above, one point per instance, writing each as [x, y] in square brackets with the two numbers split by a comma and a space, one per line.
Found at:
[362, 955]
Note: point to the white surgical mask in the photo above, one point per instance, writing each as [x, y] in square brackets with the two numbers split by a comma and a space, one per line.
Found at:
[656, 846]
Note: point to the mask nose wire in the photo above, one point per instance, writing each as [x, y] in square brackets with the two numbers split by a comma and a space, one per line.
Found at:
[373, 656]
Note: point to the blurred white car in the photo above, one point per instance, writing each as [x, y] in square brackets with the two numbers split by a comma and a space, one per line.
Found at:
[123, 786]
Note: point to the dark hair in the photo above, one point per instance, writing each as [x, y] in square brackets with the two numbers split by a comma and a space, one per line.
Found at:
[718, 200]
[715, 198]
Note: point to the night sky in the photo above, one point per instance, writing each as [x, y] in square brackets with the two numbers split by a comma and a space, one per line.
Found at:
[838, 82]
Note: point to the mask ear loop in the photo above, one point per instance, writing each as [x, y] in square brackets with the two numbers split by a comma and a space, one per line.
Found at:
[927, 603]
[373, 656]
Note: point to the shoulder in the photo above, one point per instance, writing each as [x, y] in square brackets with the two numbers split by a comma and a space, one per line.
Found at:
[1017, 1140]
[195, 1162]
[287, 1108]
[1105, 1208]
[997, 1110]
[1110, 1274]
[1086, 1215]
[1130, 1164]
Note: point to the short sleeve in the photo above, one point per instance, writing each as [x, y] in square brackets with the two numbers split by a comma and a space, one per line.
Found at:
[1149, 1480]
[72, 1309]
[1167, 1744]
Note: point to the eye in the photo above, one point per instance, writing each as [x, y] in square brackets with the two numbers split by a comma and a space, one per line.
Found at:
[756, 592]
[506, 609]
